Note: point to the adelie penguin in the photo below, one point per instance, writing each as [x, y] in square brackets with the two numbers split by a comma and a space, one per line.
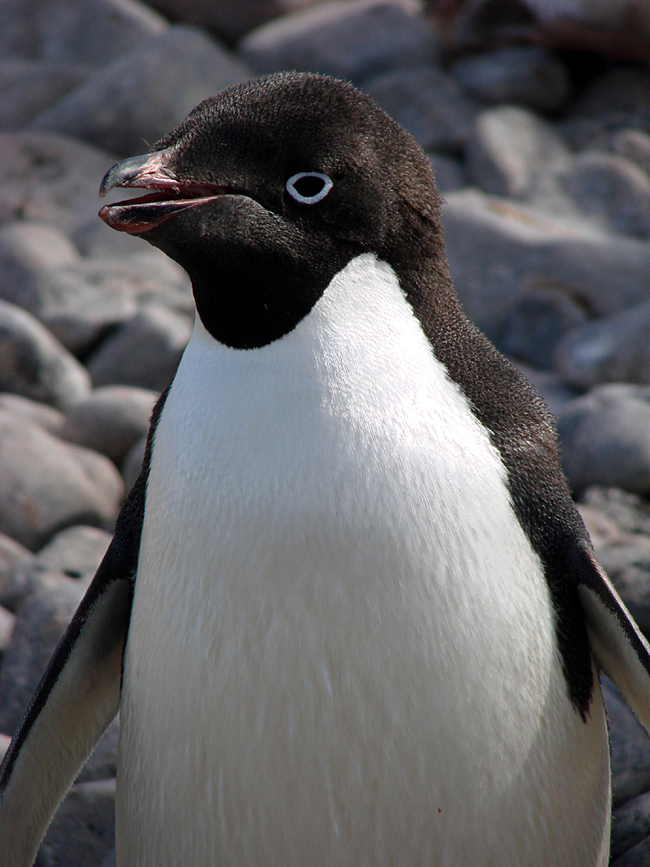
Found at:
[350, 615]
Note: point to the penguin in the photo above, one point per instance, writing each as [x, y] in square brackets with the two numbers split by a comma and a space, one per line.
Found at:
[350, 614]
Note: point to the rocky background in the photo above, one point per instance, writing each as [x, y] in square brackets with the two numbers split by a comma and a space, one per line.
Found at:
[540, 140]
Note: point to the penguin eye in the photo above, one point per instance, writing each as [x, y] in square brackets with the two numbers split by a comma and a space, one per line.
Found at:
[309, 187]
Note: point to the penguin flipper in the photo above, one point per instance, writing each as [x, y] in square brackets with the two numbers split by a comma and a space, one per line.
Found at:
[620, 650]
[77, 698]
[79, 694]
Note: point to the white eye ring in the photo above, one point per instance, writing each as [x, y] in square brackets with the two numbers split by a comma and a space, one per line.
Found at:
[309, 200]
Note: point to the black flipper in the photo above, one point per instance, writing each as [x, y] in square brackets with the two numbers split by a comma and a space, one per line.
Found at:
[78, 695]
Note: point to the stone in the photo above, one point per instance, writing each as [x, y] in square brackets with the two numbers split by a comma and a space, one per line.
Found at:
[27, 251]
[27, 578]
[605, 438]
[610, 189]
[49, 178]
[144, 352]
[133, 463]
[449, 172]
[110, 420]
[34, 364]
[630, 824]
[618, 98]
[614, 349]
[48, 485]
[102, 763]
[629, 748]
[508, 148]
[30, 86]
[634, 144]
[12, 555]
[5, 740]
[629, 512]
[7, 620]
[526, 75]
[76, 552]
[82, 832]
[602, 531]
[627, 563]
[47, 417]
[140, 96]
[536, 323]
[428, 103]
[548, 385]
[40, 622]
[110, 860]
[349, 39]
[91, 32]
[637, 856]
[497, 249]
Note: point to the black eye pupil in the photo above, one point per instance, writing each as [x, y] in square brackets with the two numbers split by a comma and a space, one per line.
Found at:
[309, 186]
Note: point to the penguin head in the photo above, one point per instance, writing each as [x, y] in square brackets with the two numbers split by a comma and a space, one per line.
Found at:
[268, 189]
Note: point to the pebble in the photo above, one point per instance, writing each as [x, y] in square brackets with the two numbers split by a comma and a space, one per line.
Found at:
[47, 417]
[605, 437]
[498, 248]
[614, 349]
[634, 144]
[509, 147]
[524, 75]
[75, 552]
[30, 86]
[110, 420]
[143, 94]
[12, 555]
[448, 172]
[48, 484]
[40, 622]
[630, 824]
[349, 39]
[34, 363]
[7, 620]
[428, 103]
[144, 352]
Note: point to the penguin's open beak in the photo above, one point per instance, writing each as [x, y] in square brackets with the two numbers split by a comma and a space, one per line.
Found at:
[169, 195]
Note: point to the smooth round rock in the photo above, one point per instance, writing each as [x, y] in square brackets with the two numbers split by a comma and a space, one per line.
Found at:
[48, 485]
[29, 86]
[525, 75]
[34, 363]
[629, 747]
[605, 438]
[615, 349]
[76, 552]
[428, 103]
[133, 463]
[7, 621]
[144, 352]
[349, 39]
[47, 417]
[110, 420]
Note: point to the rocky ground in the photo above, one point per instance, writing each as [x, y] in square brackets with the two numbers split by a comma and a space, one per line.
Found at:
[544, 161]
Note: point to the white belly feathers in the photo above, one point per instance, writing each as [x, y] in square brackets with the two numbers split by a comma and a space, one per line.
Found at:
[340, 633]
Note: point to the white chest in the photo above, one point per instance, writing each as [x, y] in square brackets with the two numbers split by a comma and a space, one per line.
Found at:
[341, 649]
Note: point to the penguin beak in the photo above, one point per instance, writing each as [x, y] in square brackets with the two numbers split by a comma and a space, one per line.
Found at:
[169, 195]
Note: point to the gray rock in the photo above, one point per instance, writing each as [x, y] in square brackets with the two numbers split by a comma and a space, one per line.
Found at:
[34, 364]
[610, 189]
[525, 75]
[5, 740]
[230, 19]
[349, 39]
[133, 463]
[628, 565]
[110, 420]
[619, 98]
[449, 172]
[634, 144]
[637, 856]
[144, 352]
[111, 859]
[92, 32]
[27, 250]
[629, 747]
[497, 250]
[605, 438]
[12, 555]
[49, 178]
[141, 95]
[26, 579]
[40, 623]
[28, 87]
[44, 416]
[76, 552]
[536, 323]
[629, 512]
[48, 485]
[428, 103]
[7, 620]
[508, 148]
[615, 349]
[82, 832]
